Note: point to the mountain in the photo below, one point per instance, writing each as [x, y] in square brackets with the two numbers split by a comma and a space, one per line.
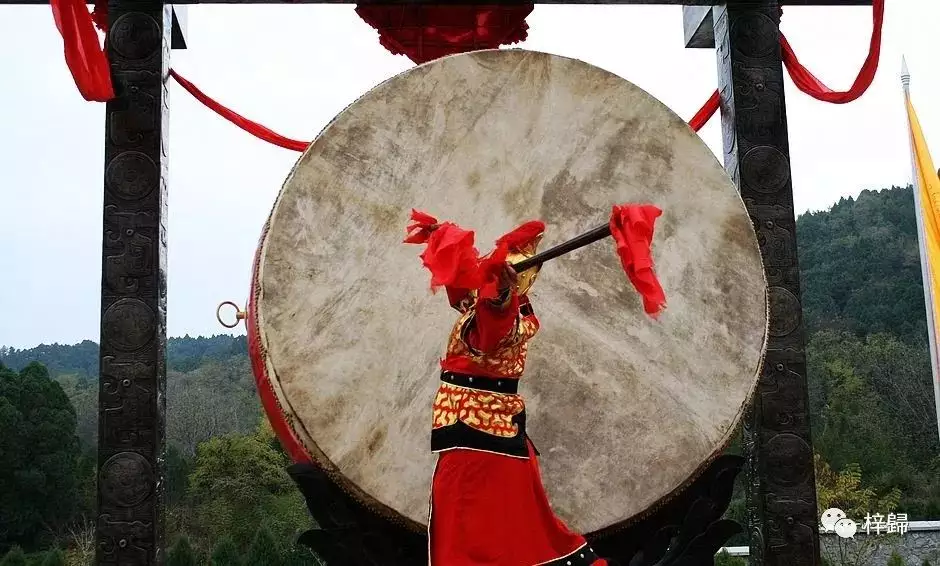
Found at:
[860, 267]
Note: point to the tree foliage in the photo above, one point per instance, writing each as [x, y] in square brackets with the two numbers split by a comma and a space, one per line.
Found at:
[39, 451]
[54, 557]
[14, 557]
[181, 553]
[225, 553]
[264, 550]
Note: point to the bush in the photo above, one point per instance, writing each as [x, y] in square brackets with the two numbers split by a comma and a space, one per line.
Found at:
[896, 560]
[300, 556]
[181, 554]
[54, 557]
[264, 550]
[14, 558]
[725, 559]
[225, 553]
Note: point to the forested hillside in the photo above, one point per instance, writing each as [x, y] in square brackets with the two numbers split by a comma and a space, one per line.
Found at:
[871, 397]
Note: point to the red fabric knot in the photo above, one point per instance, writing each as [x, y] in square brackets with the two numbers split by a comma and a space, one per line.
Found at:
[427, 32]
[632, 229]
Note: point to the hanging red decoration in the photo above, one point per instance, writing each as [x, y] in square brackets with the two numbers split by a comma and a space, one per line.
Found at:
[809, 84]
[84, 55]
[427, 32]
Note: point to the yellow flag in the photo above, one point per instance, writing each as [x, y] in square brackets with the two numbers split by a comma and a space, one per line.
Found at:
[927, 183]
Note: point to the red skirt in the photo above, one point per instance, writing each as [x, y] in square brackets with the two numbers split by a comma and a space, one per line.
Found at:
[491, 510]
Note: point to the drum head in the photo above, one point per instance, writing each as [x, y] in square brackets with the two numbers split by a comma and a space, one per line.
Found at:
[624, 409]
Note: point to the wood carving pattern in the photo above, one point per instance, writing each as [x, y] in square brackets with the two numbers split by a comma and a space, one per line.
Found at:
[133, 290]
[781, 491]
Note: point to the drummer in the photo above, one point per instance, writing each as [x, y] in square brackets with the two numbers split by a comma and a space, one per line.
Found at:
[488, 504]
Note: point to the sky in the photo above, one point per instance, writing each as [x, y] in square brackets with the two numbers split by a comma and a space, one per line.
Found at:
[294, 67]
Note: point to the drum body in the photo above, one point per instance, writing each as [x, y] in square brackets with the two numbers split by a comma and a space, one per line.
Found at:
[346, 337]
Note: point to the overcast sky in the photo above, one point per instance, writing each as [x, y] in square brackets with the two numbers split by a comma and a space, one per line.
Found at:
[293, 68]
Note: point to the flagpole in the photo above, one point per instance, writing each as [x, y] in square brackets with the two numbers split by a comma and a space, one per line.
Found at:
[922, 245]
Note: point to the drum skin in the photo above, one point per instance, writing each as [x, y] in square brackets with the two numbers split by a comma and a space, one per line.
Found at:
[346, 336]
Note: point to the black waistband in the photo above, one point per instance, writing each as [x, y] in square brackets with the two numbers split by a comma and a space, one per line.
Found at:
[485, 383]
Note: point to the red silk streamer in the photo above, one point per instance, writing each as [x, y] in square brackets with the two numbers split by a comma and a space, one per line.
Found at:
[806, 82]
[86, 59]
[249, 126]
[632, 230]
[706, 112]
[88, 63]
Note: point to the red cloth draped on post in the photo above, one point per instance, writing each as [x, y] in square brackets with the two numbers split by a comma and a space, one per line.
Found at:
[632, 230]
[808, 83]
[84, 55]
[427, 32]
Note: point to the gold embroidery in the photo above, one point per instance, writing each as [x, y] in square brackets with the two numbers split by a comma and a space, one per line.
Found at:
[507, 359]
[487, 412]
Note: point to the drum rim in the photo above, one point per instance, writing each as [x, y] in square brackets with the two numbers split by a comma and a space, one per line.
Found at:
[300, 444]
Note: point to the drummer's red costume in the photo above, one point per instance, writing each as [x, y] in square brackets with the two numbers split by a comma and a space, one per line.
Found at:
[488, 504]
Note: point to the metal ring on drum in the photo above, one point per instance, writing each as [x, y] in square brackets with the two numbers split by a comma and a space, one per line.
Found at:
[346, 338]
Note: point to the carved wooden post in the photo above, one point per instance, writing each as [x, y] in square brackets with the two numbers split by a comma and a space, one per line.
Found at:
[781, 482]
[133, 289]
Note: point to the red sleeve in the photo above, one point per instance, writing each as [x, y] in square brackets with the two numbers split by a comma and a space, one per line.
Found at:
[492, 324]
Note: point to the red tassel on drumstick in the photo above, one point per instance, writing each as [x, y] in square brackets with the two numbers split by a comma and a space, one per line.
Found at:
[450, 256]
[632, 229]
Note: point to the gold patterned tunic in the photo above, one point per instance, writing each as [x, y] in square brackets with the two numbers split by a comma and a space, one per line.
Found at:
[477, 405]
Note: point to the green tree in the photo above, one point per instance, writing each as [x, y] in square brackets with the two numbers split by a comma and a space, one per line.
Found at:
[225, 553]
[181, 554]
[54, 557]
[896, 560]
[15, 557]
[264, 550]
[296, 555]
[725, 559]
[844, 490]
[239, 482]
[39, 451]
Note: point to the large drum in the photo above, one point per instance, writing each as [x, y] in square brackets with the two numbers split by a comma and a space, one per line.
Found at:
[346, 336]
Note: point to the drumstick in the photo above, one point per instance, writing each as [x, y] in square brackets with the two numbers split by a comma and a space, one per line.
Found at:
[561, 249]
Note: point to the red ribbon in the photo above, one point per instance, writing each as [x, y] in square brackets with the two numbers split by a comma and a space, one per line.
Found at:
[632, 229]
[249, 126]
[808, 83]
[88, 63]
[84, 55]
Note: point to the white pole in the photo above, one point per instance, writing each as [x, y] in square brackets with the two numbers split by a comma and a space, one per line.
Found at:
[922, 244]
